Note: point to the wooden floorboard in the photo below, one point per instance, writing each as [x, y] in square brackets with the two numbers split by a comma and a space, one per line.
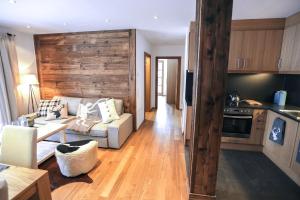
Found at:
[149, 166]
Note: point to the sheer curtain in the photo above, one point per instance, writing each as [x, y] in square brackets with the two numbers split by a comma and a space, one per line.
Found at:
[9, 80]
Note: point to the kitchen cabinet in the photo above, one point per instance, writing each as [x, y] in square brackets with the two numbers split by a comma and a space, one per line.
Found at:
[236, 43]
[273, 45]
[295, 64]
[287, 49]
[290, 53]
[192, 47]
[282, 155]
[254, 48]
[295, 166]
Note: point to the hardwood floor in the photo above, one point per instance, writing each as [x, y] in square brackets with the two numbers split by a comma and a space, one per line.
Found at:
[149, 166]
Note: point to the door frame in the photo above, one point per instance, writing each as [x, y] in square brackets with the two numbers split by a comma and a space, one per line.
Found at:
[145, 56]
[178, 78]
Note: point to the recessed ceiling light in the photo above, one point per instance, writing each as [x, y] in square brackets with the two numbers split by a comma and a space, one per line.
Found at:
[65, 23]
[12, 1]
[107, 20]
[28, 26]
[155, 17]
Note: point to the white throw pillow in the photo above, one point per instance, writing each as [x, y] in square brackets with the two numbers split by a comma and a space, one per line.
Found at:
[108, 111]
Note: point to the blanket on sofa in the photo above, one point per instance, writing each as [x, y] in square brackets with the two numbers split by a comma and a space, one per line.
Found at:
[82, 125]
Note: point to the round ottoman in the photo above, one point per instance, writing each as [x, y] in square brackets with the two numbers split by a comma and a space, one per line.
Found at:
[75, 158]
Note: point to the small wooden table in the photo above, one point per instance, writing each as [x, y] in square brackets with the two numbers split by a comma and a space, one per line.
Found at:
[47, 130]
[24, 183]
[44, 132]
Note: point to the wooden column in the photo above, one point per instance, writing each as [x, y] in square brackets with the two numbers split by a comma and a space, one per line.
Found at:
[213, 33]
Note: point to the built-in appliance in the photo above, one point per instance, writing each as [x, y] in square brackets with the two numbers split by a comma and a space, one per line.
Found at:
[189, 88]
[237, 122]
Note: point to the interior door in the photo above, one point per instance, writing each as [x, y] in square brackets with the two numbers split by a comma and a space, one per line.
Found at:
[171, 80]
[147, 82]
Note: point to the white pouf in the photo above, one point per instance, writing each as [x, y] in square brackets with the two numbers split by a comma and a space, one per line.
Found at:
[77, 162]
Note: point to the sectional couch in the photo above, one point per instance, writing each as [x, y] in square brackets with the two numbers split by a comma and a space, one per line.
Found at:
[111, 135]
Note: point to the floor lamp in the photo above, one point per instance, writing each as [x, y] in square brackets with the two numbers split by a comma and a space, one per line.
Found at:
[30, 80]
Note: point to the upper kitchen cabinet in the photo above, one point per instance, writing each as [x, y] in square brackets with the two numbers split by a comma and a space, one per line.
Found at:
[290, 53]
[192, 47]
[255, 45]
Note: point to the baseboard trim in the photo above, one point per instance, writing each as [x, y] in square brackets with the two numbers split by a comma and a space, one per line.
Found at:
[193, 196]
[241, 147]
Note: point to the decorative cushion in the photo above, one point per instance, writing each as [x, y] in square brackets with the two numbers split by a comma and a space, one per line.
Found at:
[58, 112]
[73, 103]
[108, 111]
[119, 106]
[45, 105]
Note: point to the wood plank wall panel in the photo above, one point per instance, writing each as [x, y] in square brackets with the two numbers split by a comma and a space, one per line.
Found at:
[88, 64]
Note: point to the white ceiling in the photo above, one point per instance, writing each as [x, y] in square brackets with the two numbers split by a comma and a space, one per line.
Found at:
[52, 16]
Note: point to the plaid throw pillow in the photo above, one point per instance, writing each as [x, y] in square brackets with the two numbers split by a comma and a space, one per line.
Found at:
[46, 105]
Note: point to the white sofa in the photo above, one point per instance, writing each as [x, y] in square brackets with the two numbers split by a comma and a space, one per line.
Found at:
[111, 135]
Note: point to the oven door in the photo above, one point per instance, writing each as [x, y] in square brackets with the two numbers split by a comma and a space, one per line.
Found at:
[237, 126]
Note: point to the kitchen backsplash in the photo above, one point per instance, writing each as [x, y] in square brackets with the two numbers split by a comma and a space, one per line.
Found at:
[261, 87]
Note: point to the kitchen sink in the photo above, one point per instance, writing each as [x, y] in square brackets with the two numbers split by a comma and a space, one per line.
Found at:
[295, 113]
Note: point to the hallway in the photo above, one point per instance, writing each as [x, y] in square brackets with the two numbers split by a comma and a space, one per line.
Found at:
[149, 166]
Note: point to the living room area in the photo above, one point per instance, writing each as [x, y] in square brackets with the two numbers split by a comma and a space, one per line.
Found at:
[72, 102]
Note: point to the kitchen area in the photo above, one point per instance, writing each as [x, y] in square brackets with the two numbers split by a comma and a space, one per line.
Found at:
[260, 145]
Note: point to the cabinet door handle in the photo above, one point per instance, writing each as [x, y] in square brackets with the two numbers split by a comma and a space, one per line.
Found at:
[239, 63]
[279, 63]
[244, 63]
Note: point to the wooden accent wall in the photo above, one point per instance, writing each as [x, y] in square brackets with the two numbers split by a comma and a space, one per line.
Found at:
[88, 64]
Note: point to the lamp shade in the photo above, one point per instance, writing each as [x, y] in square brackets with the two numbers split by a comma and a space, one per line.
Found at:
[29, 79]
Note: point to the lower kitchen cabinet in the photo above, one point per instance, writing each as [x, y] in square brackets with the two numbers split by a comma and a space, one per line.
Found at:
[283, 155]
[295, 166]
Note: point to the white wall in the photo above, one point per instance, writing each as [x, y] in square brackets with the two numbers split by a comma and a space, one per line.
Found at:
[142, 46]
[26, 59]
[167, 50]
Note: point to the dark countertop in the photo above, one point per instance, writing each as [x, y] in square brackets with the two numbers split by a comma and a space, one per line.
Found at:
[273, 107]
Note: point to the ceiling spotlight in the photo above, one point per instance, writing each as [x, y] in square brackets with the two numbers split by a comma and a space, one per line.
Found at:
[107, 20]
[28, 26]
[155, 17]
[12, 1]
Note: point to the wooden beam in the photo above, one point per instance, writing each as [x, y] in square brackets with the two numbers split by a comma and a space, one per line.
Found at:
[214, 24]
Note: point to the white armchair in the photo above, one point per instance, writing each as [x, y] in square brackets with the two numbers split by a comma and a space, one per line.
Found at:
[19, 146]
[3, 189]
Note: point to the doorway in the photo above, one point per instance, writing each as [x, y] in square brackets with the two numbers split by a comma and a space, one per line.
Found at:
[167, 84]
[147, 78]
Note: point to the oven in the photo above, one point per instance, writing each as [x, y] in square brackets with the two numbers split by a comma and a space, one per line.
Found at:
[237, 122]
